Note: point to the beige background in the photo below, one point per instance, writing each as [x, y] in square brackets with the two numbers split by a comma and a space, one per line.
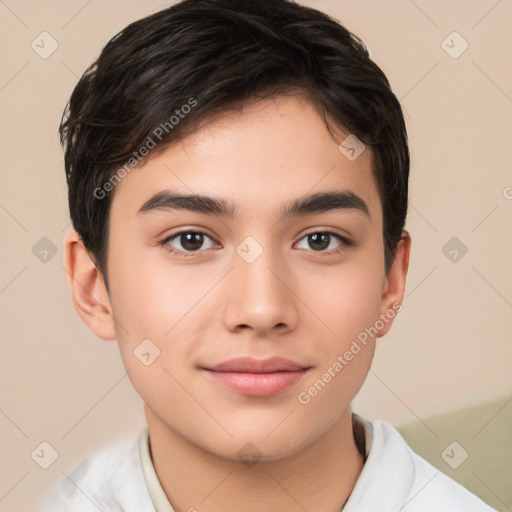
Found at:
[450, 346]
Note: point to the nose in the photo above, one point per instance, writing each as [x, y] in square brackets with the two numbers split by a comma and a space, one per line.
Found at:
[260, 295]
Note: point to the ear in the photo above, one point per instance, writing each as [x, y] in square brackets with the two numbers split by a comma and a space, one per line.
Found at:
[88, 290]
[394, 284]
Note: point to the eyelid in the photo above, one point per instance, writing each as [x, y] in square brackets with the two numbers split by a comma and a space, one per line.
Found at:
[331, 231]
[186, 230]
[344, 241]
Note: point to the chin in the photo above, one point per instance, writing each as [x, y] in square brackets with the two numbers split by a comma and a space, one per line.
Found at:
[257, 444]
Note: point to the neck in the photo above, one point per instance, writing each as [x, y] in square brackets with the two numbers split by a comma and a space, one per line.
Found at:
[320, 477]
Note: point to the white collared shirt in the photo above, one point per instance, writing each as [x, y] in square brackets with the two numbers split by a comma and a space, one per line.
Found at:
[122, 478]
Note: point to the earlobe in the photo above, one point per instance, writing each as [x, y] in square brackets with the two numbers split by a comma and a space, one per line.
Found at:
[394, 286]
[88, 291]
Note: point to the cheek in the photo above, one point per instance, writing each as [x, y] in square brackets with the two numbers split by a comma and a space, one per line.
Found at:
[149, 297]
[348, 302]
[348, 305]
[159, 318]
[345, 300]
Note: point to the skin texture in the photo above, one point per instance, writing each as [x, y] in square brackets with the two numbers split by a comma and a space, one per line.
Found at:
[211, 305]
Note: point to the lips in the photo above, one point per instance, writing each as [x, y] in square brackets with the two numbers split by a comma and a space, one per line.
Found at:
[257, 377]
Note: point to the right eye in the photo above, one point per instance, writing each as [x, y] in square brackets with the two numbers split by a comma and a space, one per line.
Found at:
[190, 241]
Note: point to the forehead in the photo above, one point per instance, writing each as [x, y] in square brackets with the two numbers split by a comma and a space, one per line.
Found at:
[257, 159]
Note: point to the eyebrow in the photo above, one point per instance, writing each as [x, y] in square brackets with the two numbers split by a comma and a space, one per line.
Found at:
[321, 202]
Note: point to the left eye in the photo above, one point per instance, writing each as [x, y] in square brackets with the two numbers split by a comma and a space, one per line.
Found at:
[320, 241]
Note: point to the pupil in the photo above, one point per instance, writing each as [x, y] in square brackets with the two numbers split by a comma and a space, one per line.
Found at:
[191, 241]
[323, 238]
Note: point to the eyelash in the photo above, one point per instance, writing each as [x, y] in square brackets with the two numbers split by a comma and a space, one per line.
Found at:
[165, 243]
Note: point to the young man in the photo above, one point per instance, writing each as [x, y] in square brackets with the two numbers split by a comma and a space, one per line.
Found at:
[237, 176]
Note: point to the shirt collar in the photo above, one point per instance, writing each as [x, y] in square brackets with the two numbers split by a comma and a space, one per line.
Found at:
[153, 484]
[387, 475]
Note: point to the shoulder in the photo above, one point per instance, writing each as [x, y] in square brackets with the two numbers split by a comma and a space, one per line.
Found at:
[431, 489]
[110, 480]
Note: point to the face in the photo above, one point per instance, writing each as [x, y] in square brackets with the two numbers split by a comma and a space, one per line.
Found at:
[256, 279]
